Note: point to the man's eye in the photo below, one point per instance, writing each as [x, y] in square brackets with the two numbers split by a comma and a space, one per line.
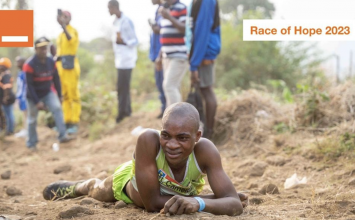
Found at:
[183, 138]
[164, 136]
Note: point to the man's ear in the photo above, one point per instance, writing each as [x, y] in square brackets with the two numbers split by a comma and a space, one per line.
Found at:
[198, 135]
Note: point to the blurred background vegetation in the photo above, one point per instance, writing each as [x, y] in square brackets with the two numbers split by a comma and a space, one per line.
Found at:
[275, 66]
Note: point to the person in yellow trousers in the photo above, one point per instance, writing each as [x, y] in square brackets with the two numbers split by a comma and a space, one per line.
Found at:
[69, 71]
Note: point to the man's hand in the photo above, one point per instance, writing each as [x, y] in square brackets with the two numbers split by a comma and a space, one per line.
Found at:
[119, 39]
[179, 205]
[165, 13]
[194, 77]
[40, 106]
[158, 64]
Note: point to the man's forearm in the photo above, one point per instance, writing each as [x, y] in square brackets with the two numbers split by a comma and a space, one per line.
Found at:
[66, 32]
[223, 206]
[178, 25]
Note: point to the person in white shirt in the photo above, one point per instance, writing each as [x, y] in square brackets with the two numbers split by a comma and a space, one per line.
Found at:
[125, 43]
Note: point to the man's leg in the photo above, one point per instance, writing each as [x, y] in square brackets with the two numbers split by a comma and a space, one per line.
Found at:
[123, 86]
[95, 188]
[67, 102]
[32, 124]
[174, 71]
[98, 189]
[52, 102]
[206, 73]
[10, 118]
[211, 108]
[159, 78]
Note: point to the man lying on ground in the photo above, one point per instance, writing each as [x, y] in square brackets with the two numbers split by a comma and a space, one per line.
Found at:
[167, 172]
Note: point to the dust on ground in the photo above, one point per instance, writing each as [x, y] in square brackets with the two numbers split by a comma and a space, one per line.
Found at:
[253, 155]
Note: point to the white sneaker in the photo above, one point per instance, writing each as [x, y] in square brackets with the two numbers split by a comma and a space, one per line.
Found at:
[21, 134]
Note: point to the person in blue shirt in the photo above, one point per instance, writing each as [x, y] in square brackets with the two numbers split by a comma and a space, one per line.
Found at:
[204, 22]
[21, 94]
[155, 46]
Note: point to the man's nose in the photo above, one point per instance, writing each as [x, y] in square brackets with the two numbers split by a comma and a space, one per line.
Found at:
[173, 144]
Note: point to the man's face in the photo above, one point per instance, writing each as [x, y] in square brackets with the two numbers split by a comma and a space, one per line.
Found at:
[41, 52]
[19, 63]
[155, 2]
[177, 139]
[63, 19]
[111, 9]
[2, 68]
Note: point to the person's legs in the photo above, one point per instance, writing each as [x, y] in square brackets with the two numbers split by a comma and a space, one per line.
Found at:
[32, 124]
[123, 93]
[206, 75]
[159, 78]
[52, 102]
[128, 77]
[174, 71]
[10, 118]
[98, 189]
[95, 188]
[211, 108]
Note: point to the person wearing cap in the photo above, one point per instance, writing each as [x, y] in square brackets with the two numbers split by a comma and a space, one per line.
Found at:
[21, 94]
[41, 73]
[125, 43]
[69, 71]
[7, 97]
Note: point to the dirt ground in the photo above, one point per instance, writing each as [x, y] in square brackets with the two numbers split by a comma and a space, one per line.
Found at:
[327, 195]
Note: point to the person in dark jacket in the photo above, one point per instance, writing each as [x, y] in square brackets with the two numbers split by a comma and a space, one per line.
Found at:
[41, 73]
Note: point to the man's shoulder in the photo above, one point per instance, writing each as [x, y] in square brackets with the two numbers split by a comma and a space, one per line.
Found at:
[149, 134]
[205, 151]
[30, 62]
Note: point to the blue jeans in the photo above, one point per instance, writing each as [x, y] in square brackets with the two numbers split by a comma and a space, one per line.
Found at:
[51, 101]
[159, 78]
[9, 117]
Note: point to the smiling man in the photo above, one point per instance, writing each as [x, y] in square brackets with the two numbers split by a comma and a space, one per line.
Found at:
[167, 172]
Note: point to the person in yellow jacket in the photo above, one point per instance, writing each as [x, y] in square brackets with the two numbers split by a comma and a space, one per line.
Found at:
[69, 71]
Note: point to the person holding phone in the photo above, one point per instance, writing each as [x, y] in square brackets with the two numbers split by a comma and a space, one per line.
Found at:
[125, 43]
[173, 53]
[69, 71]
[155, 46]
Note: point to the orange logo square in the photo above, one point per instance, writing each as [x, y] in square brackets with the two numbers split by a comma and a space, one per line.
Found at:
[16, 28]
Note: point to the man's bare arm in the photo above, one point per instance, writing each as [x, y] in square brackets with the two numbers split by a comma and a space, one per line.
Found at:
[147, 171]
[225, 200]
[176, 23]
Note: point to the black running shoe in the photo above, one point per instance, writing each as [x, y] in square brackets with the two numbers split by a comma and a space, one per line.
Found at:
[60, 189]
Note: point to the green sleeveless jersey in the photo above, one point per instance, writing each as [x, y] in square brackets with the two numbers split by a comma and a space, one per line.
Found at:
[191, 185]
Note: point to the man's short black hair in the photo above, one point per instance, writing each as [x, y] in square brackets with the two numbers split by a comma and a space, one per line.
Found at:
[114, 3]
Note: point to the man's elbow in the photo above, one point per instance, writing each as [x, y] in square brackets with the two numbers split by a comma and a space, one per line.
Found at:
[236, 208]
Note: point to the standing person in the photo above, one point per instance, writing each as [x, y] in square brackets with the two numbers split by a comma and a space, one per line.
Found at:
[69, 71]
[41, 73]
[155, 46]
[205, 47]
[173, 55]
[21, 95]
[7, 97]
[125, 43]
